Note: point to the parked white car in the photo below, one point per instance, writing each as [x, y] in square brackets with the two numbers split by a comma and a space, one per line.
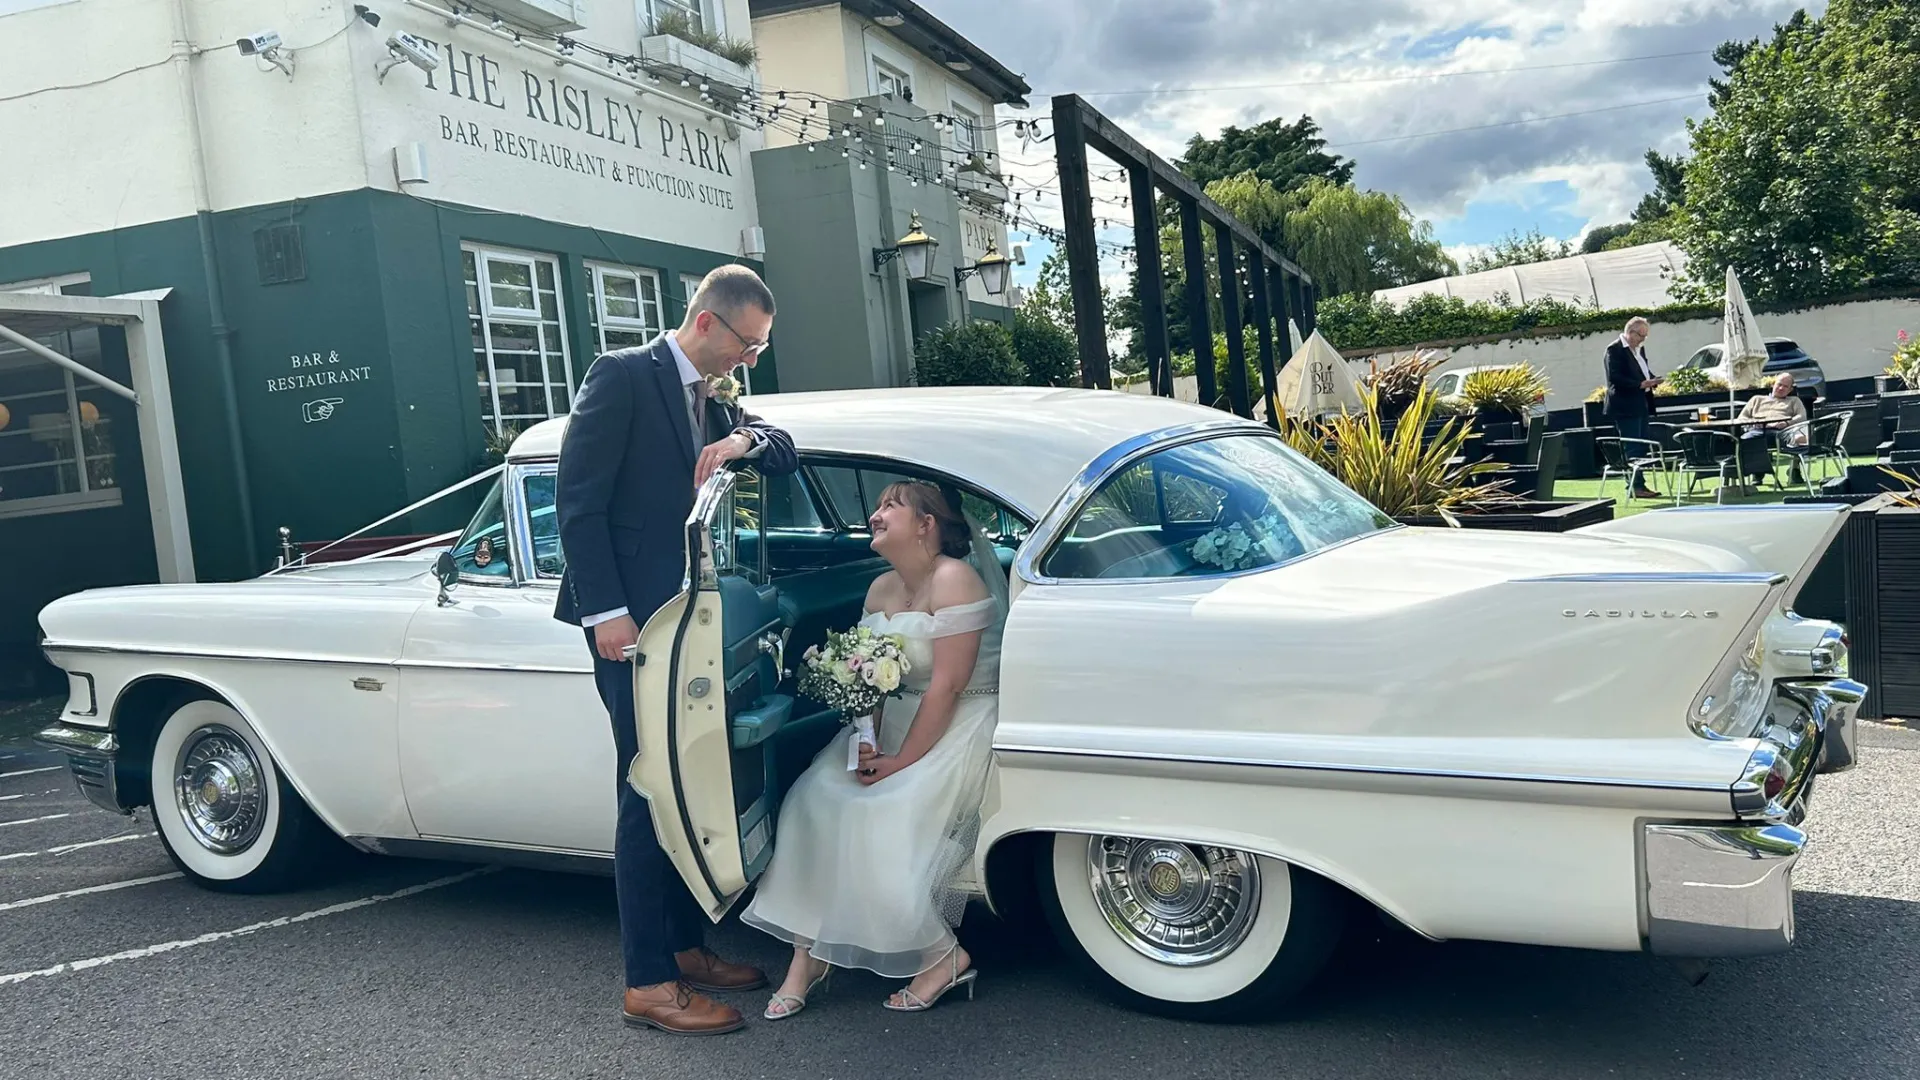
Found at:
[1600, 740]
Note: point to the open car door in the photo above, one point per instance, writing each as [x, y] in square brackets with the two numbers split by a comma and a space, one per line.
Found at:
[707, 705]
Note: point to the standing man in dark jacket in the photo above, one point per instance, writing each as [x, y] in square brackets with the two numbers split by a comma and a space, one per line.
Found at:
[1629, 393]
[643, 434]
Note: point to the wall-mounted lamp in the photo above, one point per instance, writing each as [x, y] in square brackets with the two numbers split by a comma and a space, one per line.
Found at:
[992, 269]
[915, 250]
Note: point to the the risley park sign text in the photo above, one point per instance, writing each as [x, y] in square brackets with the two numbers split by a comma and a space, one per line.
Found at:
[556, 106]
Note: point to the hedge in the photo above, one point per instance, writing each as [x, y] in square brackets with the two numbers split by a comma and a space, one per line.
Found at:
[1356, 324]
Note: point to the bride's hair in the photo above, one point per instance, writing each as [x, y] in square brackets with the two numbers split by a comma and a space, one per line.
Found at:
[956, 539]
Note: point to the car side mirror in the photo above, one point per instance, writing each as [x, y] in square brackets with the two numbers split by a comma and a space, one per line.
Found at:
[448, 573]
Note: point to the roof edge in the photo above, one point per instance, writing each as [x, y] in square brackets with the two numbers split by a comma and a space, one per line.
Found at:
[988, 75]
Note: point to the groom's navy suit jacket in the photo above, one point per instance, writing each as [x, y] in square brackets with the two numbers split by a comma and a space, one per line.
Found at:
[625, 482]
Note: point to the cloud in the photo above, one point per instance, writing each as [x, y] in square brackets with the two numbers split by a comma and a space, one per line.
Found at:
[1095, 47]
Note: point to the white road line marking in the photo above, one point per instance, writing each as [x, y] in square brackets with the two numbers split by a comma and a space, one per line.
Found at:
[28, 795]
[31, 820]
[64, 848]
[88, 891]
[30, 772]
[222, 935]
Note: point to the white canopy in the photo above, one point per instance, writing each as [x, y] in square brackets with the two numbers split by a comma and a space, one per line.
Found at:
[1317, 381]
[1637, 277]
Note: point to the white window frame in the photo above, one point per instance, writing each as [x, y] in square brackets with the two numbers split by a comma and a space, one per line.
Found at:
[598, 274]
[88, 497]
[881, 55]
[977, 116]
[707, 14]
[489, 315]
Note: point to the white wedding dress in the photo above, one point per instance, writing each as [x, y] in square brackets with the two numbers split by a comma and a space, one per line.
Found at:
[864, 876]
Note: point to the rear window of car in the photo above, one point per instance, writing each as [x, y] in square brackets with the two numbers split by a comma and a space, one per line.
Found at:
[1222, 505]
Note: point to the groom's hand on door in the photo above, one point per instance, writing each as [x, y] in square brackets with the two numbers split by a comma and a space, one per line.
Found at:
[732, 448]
[611, 638]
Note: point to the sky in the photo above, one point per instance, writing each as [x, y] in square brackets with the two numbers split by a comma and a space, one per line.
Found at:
[1202, 60]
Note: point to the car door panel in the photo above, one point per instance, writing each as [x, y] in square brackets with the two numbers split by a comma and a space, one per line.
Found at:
[708, 713]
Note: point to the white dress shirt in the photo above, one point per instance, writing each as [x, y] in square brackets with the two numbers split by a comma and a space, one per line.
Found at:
[1640, 354]
[690, 377]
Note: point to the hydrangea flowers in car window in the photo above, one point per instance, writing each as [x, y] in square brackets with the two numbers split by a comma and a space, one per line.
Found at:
[1222, 505]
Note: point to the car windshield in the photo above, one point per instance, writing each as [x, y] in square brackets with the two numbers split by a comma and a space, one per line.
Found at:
[1220, 505]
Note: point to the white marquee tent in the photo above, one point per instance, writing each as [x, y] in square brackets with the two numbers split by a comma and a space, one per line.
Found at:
[1635, 277]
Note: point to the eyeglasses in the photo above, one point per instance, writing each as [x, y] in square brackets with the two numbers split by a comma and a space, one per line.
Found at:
[752, 348]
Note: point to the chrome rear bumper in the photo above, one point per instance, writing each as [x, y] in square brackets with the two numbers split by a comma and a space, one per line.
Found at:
[90, 758]
[1719, 890]
[1724, 890]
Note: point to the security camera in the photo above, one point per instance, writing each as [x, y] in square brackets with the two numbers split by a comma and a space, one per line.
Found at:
[1019, 254]
[407, 49]
[263, 42]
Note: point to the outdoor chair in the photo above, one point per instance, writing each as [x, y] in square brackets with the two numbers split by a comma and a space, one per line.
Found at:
[1704, 452]
[1825, 441]
[1629, 459]
[1549, 466]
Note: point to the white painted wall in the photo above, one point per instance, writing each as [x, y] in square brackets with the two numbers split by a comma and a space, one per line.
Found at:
[116, 153]
[1849, 340]
[832, 51]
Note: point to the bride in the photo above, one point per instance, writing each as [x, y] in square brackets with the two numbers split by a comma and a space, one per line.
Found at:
[863, 871]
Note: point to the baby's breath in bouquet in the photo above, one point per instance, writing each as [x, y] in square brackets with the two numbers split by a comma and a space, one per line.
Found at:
[855, 672]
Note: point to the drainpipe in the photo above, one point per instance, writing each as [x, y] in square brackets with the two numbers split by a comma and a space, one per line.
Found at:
[893, 287]
[182, 54]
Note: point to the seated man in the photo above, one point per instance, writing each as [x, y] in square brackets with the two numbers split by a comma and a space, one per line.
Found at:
[1775, 412]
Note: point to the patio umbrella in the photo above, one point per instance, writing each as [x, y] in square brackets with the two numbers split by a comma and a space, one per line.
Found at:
[1317, 381]
[1743, 353]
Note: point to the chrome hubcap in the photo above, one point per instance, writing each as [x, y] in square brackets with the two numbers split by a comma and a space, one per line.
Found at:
[1176, 903]
[218, 788]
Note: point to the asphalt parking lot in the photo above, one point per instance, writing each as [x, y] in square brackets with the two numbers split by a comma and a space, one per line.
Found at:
[112, 966]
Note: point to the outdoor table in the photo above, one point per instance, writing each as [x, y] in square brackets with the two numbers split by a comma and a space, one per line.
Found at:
[1742, 456]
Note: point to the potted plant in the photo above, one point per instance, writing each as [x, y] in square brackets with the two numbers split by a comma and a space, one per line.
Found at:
[1398, 383]
[699, 56]
[1903, 370]
[1504, 395]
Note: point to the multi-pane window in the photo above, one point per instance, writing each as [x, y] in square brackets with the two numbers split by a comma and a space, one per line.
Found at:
[890, 81]
[626, 306]
[56, 431]
[966, 130]
[519, 348]
[694, 11]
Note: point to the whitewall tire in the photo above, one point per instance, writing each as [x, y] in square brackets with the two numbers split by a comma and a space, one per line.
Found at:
[1188, 930]
[227, 817]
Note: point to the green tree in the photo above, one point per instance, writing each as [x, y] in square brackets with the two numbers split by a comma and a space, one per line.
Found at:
[1048, 352]
[1518, 249]
[1600, 236]
[1352, 241]
[967, 354]
[1806, 178]
[1283, 154]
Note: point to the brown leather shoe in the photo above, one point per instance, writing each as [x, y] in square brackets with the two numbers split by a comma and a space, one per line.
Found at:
[706, 972]
[675, 1009]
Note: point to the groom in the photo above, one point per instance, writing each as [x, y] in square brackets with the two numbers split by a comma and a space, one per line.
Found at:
[644, 433]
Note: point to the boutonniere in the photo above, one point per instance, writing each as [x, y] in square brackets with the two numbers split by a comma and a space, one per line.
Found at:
[724, 389]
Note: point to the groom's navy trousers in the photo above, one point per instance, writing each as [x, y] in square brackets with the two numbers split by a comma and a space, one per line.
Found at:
[658, 916]
[623, 492]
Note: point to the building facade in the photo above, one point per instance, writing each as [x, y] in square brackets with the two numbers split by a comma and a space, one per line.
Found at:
[890, 119]
[379, 254]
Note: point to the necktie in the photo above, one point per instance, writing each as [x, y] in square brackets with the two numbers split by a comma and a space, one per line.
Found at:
[697, 394]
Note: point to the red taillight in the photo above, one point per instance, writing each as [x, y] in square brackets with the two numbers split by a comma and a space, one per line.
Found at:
[1776, 781]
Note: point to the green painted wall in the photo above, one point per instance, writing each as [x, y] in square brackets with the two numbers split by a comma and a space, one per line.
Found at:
[378, 326]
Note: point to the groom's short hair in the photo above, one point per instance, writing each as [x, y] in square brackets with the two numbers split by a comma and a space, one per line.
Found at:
[728, 289]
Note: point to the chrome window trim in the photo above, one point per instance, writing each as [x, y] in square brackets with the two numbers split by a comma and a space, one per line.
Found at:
[1696, 577]
[520, 522]
[1051, 529]
[296, 658]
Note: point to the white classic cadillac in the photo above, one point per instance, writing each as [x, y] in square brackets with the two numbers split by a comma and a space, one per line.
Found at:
[1237, 703]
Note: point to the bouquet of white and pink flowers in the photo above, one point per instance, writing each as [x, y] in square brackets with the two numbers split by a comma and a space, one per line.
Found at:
[855, 672]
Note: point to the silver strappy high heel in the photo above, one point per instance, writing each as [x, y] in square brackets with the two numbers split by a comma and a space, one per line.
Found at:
[911, 1001]
[781, 1006]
